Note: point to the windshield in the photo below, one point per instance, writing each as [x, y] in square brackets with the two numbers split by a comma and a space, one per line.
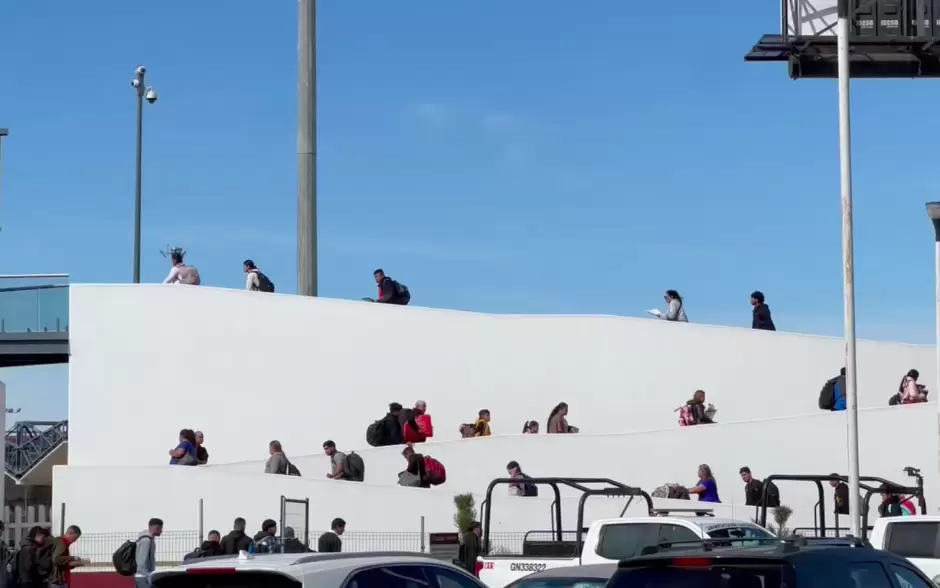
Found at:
[224, 579]
[561, 583]
[737, 576]
[738, 532]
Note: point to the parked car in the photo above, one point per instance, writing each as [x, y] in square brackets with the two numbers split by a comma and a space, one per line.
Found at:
[593, 576]
[316, 570]
[781, 563]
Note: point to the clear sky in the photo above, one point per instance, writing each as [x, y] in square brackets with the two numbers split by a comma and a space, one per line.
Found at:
[525, 156]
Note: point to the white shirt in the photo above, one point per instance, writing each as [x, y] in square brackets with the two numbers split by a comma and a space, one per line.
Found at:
[252, 283]
[174, 276]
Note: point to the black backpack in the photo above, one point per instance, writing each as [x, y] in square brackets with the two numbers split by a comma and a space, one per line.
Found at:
[404, 295]
[125, 559]
[44, 560]
[773, 495]
[375, 434]
[264, 282]
[292, 469]
[195, 554]
[354, 467]
[827, 396]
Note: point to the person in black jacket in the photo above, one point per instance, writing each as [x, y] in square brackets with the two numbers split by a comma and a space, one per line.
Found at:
[471, 547]
[392, 425]
[292, 544]
[762, 320]
[237, 540]
[390, 291]
[330, 542]
[28, 572]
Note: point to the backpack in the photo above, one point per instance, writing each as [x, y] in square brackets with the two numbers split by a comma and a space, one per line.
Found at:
[195, 554]
[125, 559]
[686, 418]
[404, 295]
[437, 475]
[375, 433]
[354, 467]
[466, 430]
[44, 560]
[827, 396]
[292, 469]
[264, 282]
[773, 495]
[671, 490]
[189, 275]
[529, 489]
[895, 400]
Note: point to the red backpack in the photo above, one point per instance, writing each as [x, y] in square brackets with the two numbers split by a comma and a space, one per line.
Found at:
[437, 475]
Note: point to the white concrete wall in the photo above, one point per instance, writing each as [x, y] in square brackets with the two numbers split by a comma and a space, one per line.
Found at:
[123, 497]
[249, 367]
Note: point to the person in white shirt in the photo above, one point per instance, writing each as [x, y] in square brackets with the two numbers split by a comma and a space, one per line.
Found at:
[181, 273]
[255, 279]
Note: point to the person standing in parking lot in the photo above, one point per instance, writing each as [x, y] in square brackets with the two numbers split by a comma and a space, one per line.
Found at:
[330, 541]
[62, 560]
[146, 557]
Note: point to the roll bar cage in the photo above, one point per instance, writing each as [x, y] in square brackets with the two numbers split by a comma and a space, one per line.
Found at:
[614, 489]
[870, 484]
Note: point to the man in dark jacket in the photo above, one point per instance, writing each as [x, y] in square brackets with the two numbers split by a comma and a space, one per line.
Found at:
[211, 547]
[390, 291]
[762, 320]
[330, 542]
[266, 540]
[30, 571]
[292, 544]
[237, 540]
[471, 547]
[392, 425]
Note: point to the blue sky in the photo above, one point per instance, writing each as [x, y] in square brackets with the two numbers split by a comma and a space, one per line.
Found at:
[525, 156]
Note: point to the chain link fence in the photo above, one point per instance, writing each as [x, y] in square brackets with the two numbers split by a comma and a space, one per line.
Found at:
[173, 545]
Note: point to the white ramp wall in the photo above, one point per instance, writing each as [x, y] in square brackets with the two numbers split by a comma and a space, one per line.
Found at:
[247, 367]
[809, 445]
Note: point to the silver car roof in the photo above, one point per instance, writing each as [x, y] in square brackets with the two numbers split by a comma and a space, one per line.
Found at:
[297, 565]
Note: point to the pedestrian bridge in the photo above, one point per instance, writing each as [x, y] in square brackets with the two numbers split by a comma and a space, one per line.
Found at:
[34, 319]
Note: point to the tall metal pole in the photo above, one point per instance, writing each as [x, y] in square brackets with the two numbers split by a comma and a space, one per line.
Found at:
[933, 213]
[3, 133]
[848, 265]
[137, 197]
[307, 147]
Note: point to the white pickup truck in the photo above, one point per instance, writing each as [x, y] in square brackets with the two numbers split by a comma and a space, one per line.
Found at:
[606, 540]
[915, 537]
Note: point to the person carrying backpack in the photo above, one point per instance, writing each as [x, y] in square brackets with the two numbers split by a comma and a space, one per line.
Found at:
[31, 564]
[181, 273]
[390, 291]
[832, 395]
[62, 561]
[256, 280]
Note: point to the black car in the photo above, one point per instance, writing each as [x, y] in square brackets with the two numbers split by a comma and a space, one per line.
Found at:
[797, 563]
[592, 576]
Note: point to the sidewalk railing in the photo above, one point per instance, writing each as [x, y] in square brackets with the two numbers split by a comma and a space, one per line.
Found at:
[172, 546]
[34, 303]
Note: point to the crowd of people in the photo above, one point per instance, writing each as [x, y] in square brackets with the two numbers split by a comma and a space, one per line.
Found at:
[390, 291]
[910, 391]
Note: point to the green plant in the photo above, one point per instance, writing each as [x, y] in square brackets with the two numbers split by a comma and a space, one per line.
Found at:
[781, 515]
[466, 511]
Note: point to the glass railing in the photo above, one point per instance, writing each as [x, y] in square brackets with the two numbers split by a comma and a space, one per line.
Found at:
[35, 303]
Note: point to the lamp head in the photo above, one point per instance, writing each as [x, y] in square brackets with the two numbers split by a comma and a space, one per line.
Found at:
[933, 213]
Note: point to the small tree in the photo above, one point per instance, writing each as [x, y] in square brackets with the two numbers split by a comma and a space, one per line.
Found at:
[781, 515]
[466, 512]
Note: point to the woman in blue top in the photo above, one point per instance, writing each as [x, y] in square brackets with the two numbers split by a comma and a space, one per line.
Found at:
[706, 487]
[185, 452]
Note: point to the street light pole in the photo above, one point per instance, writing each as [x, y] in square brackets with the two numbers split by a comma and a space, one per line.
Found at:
[148, 93]
[933, 213]
[3, 133]
[848, 264]
[307, 147]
